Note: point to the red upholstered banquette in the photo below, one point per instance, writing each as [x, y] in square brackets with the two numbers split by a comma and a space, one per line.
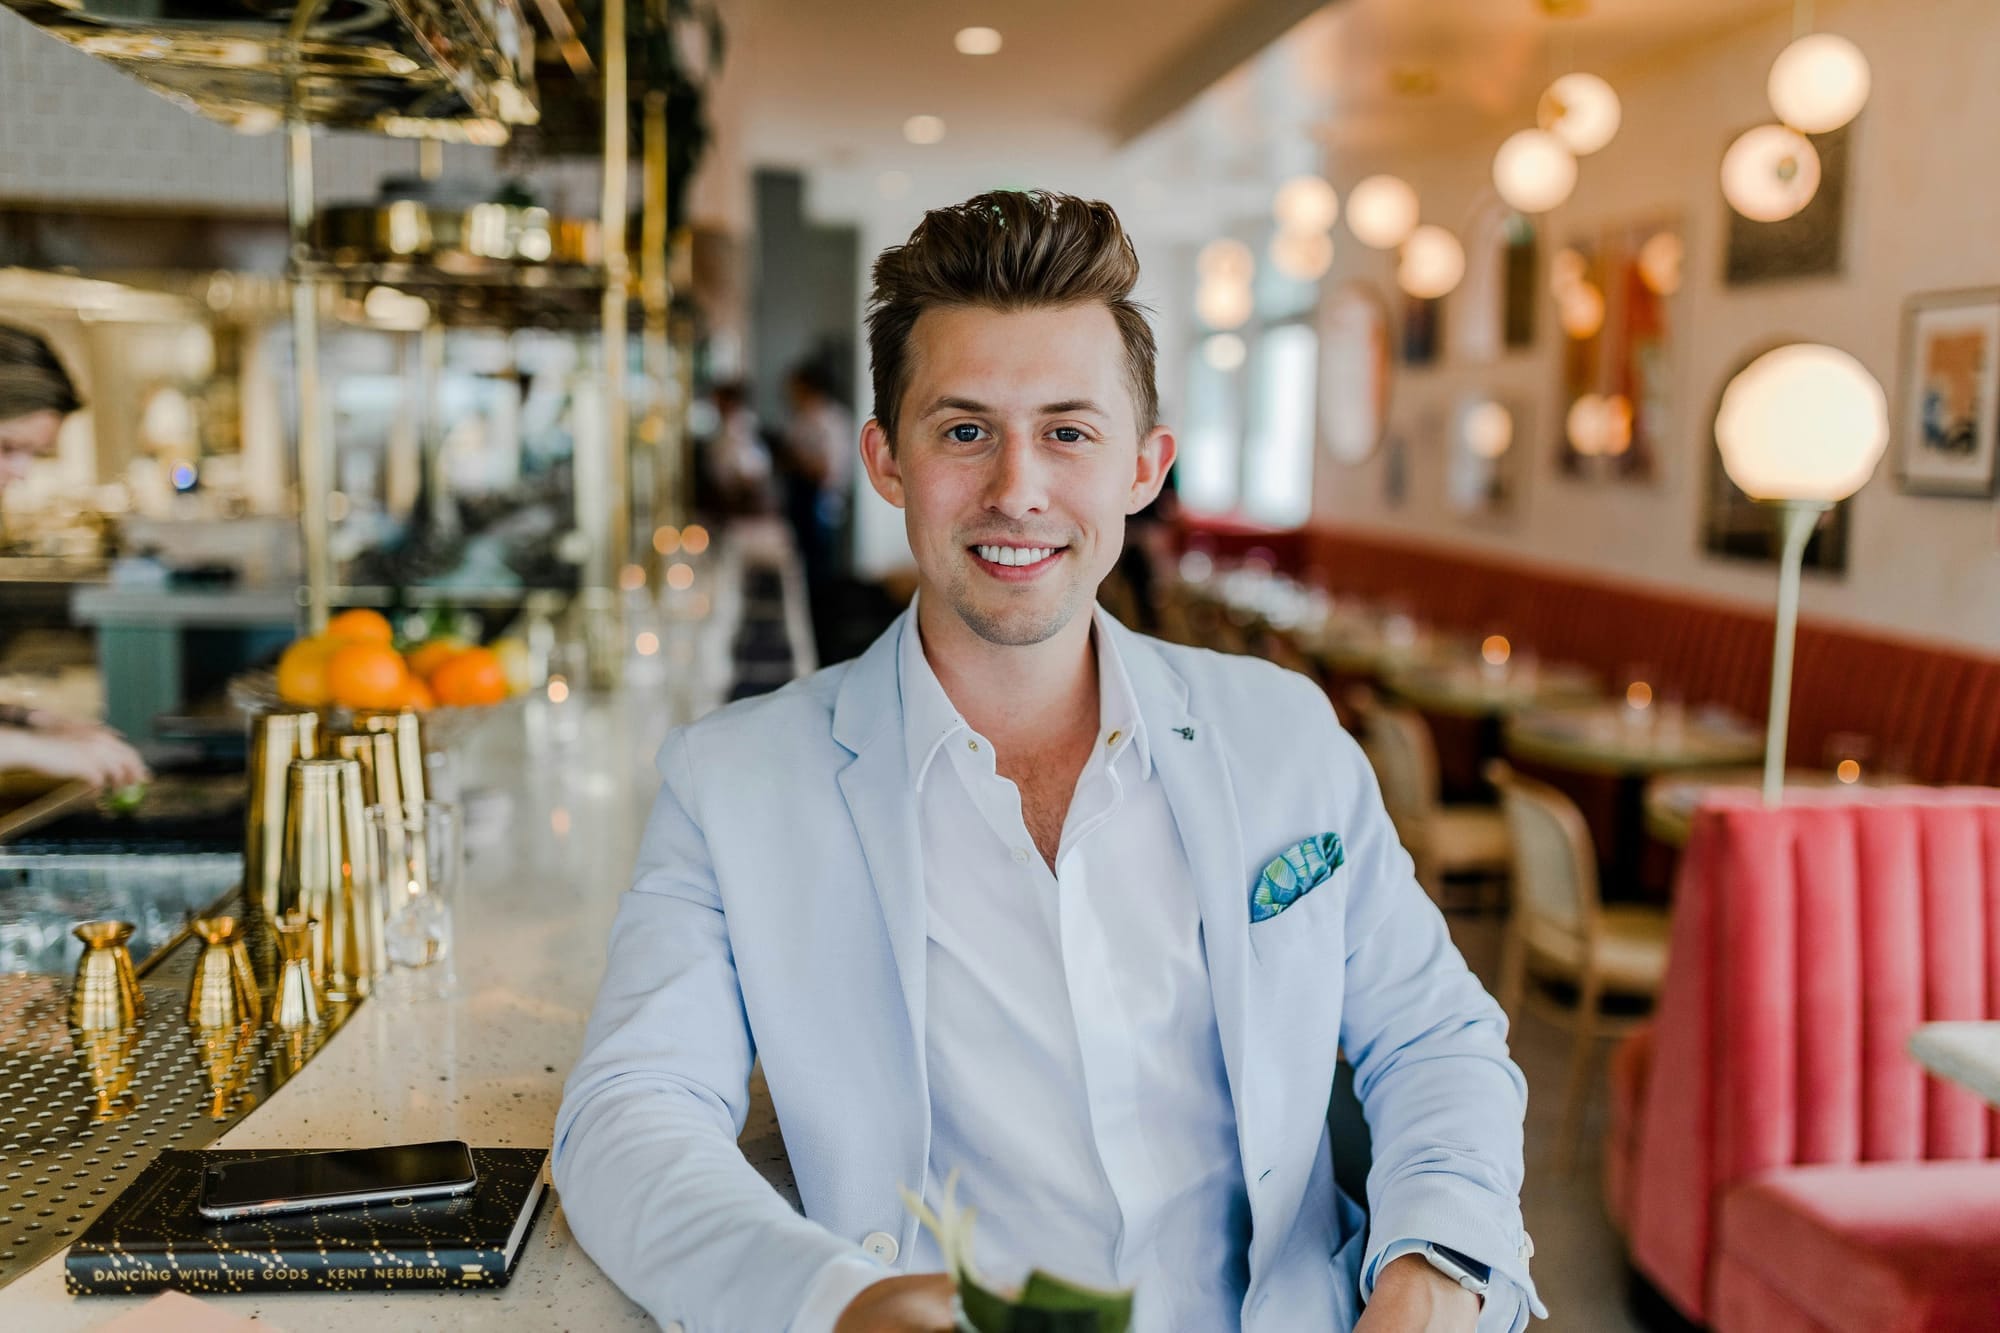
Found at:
[1778, 1160]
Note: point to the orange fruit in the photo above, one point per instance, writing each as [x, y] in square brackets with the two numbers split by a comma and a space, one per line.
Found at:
[366, 675]
[472, 678]
[302, 672]
[416, 695]
[360, 626]
[427, 657]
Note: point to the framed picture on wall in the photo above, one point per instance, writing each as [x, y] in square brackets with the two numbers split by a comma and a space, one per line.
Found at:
[1947, 428]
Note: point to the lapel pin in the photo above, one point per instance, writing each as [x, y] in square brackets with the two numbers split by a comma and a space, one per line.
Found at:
[1186, 733]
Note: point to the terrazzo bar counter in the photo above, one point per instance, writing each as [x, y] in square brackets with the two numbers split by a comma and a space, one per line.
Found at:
[553, 828]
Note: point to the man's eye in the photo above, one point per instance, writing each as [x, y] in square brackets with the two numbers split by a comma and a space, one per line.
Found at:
[1069, 434]
[964, 434]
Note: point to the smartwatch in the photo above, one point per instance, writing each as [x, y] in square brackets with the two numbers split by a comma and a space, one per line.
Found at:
[1463, 1269]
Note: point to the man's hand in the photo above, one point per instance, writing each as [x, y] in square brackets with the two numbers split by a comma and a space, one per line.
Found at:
[1412, 1297]
[918, 1303]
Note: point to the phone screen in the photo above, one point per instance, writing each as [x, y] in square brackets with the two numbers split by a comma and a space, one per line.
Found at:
[319, 1179]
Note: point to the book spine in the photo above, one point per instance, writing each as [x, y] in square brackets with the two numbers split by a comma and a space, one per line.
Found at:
[209, 1271]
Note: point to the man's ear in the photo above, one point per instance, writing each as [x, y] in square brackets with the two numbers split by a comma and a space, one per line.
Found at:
[1156, 458]
[884, 474]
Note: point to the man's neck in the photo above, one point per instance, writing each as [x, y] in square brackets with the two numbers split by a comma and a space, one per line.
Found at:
[1022, 699]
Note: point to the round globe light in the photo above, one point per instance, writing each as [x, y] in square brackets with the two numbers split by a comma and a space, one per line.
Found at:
[1580, 310]
[1226, 260]
[1224, 351]
[1615, 425]
[1660, 262]
[1306, 203]
[1433, 262]
[1382, 212]
[924, 129]
[1770, 173]
[1302, 255]
[1804, 422]
[1533, 171]
[1582, 111]
[1223, 305]
[1488, 430]
[1585, 425]
[1819, 83]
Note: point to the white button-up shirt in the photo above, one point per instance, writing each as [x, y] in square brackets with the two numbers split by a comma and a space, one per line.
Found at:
[1076, 1074]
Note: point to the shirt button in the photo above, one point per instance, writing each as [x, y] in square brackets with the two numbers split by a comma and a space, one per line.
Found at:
[1021, 856]
[880, 1246]
[972, 745]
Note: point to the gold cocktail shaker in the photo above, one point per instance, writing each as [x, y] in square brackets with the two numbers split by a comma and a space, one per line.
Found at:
[329, 874]
[224, 991]
[106, 995]
[276, 739]
[406, 729]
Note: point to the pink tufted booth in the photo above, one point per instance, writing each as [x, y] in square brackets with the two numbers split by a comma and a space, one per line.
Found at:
[1777, 1160]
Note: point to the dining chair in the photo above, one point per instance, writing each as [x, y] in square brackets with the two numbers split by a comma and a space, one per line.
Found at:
[1561, 932]
[1443, 840]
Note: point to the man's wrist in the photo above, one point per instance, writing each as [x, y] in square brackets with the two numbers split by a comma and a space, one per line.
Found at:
[1412, 1273]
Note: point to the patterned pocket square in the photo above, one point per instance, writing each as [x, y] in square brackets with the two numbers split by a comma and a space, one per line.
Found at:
[1294, 873]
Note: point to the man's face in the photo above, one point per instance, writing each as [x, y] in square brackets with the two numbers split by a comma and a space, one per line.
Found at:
[23, 440]
[1018, 455]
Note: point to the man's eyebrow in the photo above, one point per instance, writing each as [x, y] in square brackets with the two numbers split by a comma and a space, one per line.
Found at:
[1066, 405]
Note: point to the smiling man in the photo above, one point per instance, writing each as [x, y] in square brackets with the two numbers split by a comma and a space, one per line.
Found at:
[1084, 918]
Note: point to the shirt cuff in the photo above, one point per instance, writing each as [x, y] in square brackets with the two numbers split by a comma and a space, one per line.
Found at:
[832, 1290]
[1504, 1307]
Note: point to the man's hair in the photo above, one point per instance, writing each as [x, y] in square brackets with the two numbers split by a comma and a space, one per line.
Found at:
[1007, 250]
[31, 379]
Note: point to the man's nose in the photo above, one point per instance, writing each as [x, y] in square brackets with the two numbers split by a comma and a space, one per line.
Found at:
[1019, 484]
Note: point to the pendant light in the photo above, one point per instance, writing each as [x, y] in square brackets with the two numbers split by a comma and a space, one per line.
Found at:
[1382, 212]
[1433, 262]
[1533, 171]
[1306, 203]
[1582, 111]
[1770, 173]
[1819, 83]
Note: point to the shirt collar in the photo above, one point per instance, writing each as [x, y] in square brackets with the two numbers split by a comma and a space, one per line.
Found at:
[929, 718]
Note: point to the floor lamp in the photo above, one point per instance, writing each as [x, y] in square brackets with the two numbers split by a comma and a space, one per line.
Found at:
[1800, 429]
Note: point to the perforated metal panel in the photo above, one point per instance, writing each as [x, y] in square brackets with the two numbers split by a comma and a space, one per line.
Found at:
[81, 1113]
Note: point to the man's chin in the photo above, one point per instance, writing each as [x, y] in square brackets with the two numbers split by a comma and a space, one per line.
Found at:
[1016, 622]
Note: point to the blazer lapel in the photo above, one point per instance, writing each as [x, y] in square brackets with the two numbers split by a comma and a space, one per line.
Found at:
[867, 719]
[1187, 755]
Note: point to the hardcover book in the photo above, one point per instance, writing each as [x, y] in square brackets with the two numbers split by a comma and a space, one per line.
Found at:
[152, 1238]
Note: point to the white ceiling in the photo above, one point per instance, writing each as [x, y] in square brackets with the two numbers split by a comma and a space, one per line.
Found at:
[1157, 97]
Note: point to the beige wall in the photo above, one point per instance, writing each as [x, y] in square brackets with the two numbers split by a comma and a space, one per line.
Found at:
[1923, 214]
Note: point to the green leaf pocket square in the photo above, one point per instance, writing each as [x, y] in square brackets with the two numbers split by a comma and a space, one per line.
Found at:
[1294, 873]
[1045, 1305]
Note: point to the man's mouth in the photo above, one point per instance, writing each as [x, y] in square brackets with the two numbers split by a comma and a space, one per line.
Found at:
[1016, 559]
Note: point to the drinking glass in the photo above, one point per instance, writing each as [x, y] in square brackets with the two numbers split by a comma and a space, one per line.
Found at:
[420, 849]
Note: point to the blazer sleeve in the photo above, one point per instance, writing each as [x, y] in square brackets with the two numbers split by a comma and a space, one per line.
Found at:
[1443, 1101]
[645, 1155]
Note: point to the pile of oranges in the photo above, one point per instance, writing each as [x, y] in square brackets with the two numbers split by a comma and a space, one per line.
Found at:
[354, 664]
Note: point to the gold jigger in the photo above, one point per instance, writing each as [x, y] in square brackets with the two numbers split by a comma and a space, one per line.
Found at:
[407, 729]
[276, 739]
[224, 991]
[107, 1058]
[228, 1054]
[329, 874]
[106, 994]
[297, 1006]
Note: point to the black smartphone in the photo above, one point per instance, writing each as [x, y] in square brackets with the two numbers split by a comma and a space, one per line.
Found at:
[297, 1182]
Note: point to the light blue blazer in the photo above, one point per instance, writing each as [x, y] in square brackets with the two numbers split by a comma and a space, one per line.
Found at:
[777, 912]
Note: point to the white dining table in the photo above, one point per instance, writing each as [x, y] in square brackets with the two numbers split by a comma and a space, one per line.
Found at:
[1967, 1053]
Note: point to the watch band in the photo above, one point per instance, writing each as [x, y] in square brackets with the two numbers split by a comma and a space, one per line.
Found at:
[1466, 1271]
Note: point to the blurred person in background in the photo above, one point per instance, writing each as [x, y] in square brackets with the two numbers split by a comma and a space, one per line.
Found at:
[35, 396]
[736, 463]
[820, 447]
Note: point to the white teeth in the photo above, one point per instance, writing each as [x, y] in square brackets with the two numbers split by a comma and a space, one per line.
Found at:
[1015, 555]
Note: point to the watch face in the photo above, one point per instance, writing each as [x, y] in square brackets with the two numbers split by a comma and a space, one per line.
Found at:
[1467, 1266]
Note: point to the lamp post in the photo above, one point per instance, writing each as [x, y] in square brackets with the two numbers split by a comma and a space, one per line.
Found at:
[1800, 429]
